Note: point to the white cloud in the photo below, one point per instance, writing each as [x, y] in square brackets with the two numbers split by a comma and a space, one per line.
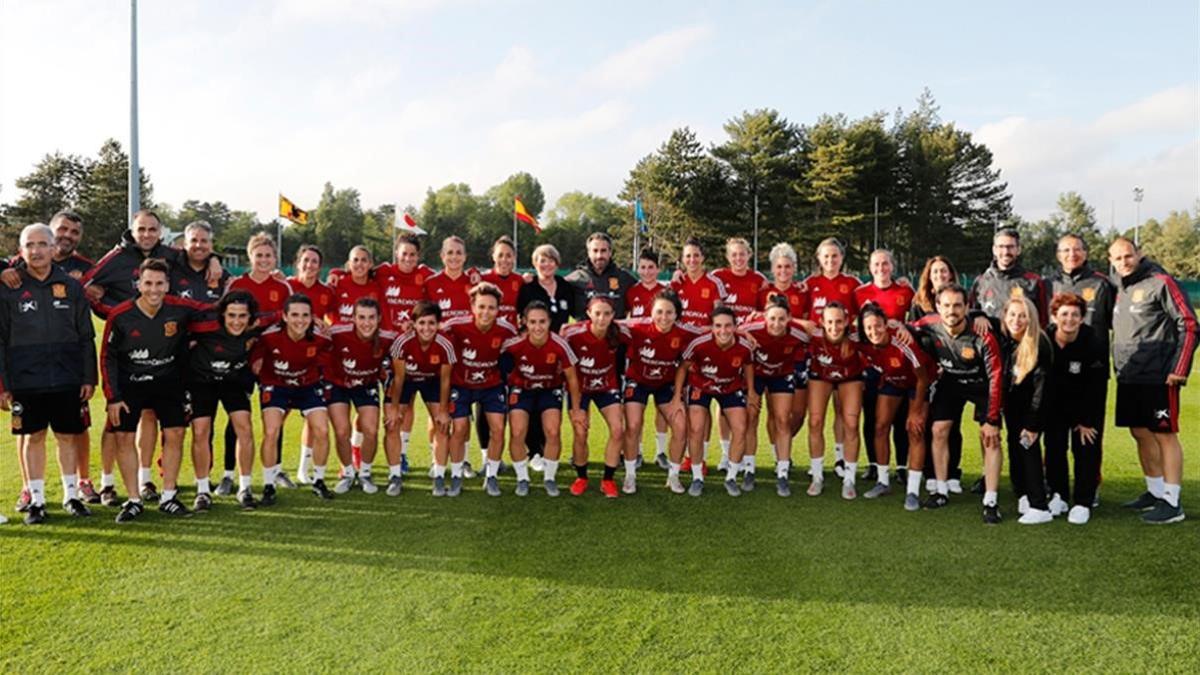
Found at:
[642, 63]
[1153, 142]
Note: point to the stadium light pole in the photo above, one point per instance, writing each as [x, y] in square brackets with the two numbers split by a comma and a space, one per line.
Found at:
[135, 182]
[1138, 192]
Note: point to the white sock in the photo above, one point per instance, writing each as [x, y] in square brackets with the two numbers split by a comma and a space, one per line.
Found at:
[107, 480]
[483, 457]
[660, 443]
[364, 470]
[989, 498]
[348, 470]
[697, 470]
[782, 467]
[748, 463]
[306, 453]
[631, 469]
[851, 471]
[69, 481]
[356, 438]
[816, 468]
[393, 470]
[884, 475]
[914, 482]
[318, 473]
[143, 476]
[1154, 484]
[1171, 494]
[168, 495]
[673, 469]
[456, 469]
[943, 487]
[439, 470]
[839, 452]
[732, 472]
[202, 485]
[244, 482]
[269, 474]
[521, 468]
[37, 491]
[549, 469]
[493, 467]
[229, 474]
[404, 436]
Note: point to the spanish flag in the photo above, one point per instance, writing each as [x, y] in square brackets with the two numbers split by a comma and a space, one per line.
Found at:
[292, 212]
[522, 215]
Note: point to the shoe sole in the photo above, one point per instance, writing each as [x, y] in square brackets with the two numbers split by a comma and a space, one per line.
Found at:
[1177, 519]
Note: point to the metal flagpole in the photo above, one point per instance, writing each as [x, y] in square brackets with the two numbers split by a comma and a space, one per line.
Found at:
[876, 223]
[135, 179]
[516, 253]
[756, 229]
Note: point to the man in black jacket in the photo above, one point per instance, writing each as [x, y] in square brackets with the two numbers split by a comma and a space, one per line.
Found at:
[599, 275]
[1154, 338]
[1005, 278]
[47, 366]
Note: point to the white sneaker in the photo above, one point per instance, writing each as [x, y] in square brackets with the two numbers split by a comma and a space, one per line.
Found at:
[954, 485]
[674, 485]
[1079, 515]
[304, 474]
[1036, 517]
[848, 491]
[931, 485]
[815, 488]
[629, 486]
[344, 484]
[1023, 505]
[537, 463]
[368, 486]
[1057, 506]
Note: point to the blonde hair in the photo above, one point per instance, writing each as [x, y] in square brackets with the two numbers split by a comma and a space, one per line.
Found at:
[736, 241]
[548, 251]
[1027, 349]
[260, 239]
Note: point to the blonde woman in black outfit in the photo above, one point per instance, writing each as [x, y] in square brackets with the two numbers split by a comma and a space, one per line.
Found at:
[1027, 356]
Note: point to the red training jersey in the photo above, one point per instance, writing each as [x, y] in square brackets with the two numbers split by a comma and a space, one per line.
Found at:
[270, 294]
[834, 363]
[597, 356]
[509, 285]
[639, 300]
[539, 367]
[741, 290]
[477, 352]
[895, 300]
[401, 292]
[355, 362]
[822, 290]
[290, 363]
[320, 295]
[451, 295]
[652, 355]
[698, 298]
[715, 369]
[897, 363]
[422, 363]
[797, 298]
[776, 355]
[347, 292]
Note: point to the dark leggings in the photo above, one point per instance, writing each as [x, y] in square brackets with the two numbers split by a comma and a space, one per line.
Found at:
[1025, 464]
[535, 438]
[1087, 463]
[899, 428]
[231, 446]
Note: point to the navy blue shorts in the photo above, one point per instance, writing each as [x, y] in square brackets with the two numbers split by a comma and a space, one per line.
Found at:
[640, 393]
[602, 399]
[304, 399]
[463, 399]
[889, 389]
[736, 399]
[430, 390]
[535, 401]
[366, 396]
[784, 384]
[800, 375]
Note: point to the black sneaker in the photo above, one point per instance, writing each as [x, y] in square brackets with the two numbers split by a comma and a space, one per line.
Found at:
[174, 507]
[991, 515]
[23, 501]
[87, 492]
[902, 475]
[1143, 502]
[319, 489]
[871, 474]
[246, 500]
[977, 487]
[284, 481]
[1162, 514]
[268, 496]
[839, 468]
[35, 514]
[935, 501]
[129, 511]
[203, 502]
[149, 493]
[108, 497]
[76, 508]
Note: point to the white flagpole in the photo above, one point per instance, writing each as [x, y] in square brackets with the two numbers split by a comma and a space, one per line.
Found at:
[135, 178]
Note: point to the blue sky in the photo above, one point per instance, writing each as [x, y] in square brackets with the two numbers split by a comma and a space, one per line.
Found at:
[243, 99]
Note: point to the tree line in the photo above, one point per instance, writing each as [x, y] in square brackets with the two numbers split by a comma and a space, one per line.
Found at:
[907, 181]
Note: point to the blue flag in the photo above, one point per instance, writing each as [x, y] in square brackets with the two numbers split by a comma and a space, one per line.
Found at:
[639, 216]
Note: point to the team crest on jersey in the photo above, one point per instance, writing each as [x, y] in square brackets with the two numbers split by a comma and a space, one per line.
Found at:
[1089, 294]
[495, 343]
[788, 350]
[1139, 295]
[170, 328]
[894, 362]
[968, 353]
[435, 359]
[16, 422]
[1016, 292]
[274, 296]
[310, 352]
[737, 362]
[674, 343]
[843, 288]
[614, 283]
[901, 300]
[704, 293]
[59, 290]
[551, 358]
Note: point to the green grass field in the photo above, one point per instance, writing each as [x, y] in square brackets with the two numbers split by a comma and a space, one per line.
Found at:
[654, 582]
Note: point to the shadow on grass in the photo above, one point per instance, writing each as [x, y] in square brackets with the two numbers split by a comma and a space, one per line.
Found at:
[757, 546]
